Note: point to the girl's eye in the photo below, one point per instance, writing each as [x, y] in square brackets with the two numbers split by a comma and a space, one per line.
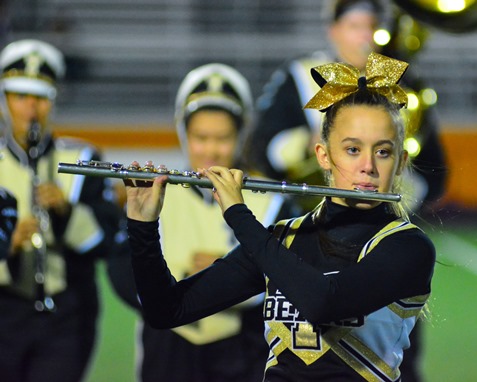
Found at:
[384, 153]
[352, 150]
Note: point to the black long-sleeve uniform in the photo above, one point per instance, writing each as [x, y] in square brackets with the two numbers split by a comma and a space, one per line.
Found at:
[8, 219]
[227, 352]
[317, 281]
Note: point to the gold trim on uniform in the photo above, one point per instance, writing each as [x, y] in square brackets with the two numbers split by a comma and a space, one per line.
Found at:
[365, 352]
[416, 305]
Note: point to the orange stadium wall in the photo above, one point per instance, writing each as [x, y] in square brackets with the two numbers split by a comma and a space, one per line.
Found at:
[459, 146]
[459, 143]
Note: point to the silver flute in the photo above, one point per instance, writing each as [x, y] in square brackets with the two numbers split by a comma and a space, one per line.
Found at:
[144, 176]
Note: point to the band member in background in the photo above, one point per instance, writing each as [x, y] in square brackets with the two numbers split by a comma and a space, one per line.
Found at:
[213, 114]
[48, 292]
[344, 283]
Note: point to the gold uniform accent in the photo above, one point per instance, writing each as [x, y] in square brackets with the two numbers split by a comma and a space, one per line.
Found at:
[340, 80]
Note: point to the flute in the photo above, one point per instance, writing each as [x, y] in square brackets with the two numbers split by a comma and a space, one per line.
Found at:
[188, 178]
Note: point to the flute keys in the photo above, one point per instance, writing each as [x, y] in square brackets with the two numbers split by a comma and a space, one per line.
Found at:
[95, 163]
[162, 169]
[133, 168]
[115, 166]
[191, 174]
[149, 167]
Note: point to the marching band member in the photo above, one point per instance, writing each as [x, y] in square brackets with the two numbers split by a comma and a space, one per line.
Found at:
[344, 283]
[48, 292]
[213, 115]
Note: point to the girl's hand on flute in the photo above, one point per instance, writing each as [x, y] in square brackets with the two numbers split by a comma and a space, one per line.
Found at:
[227, 185]
[145, 203]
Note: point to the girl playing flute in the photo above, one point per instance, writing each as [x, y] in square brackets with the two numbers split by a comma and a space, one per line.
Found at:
[344, 283]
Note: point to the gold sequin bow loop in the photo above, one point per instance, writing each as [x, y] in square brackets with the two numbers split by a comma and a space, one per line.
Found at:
[339, 80]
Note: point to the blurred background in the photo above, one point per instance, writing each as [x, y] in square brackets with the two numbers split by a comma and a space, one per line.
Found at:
[125, 60]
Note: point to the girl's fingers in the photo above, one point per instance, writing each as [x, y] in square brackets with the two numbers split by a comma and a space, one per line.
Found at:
[223, 174]
[214, 176]
[237, 175]
[227, 185]
[159, 185]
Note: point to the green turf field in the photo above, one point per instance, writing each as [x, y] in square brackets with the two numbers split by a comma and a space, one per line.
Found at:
[114, 359]
[450, 334]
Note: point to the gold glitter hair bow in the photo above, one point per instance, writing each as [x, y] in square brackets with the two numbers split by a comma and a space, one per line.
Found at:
[339, 80]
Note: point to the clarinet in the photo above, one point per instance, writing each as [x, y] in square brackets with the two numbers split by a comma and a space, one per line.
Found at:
[43, 303]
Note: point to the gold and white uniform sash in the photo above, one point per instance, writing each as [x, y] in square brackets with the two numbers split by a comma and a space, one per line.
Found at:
[82, 232]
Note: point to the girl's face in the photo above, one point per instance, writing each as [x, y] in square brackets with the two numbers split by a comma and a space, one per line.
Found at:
[212, 138]
[24, 109]
[363, 152]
